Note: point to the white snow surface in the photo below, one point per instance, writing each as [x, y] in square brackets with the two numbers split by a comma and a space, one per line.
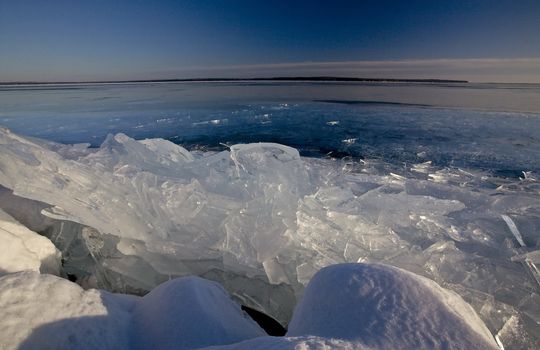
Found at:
[345, 306]
[261, 220]
[189, 313]
[382, 307]
[22, 249]
[48, 312]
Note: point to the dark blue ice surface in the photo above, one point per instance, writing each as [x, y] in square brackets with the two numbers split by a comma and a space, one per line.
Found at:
[471, 126]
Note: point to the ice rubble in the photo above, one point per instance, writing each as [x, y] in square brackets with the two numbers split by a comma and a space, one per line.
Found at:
[347, 306]
[261, 220]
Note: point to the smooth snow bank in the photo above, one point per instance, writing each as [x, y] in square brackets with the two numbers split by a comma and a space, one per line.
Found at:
[48, 312]
[346, 306]
[383, 307]
[22, 249]
[189, 313]
[374, 306]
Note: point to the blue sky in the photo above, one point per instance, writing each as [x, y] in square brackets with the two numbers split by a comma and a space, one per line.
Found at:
[114, 39]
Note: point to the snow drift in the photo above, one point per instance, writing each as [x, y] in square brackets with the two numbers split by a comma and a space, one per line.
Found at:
[47, 312]
[22, 249]
[348, 306]
[382, 307]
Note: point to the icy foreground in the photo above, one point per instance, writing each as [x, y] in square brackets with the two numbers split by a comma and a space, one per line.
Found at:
[48, 312]
[261, 220]
[348, 306]
[382, 307]
[22, 249]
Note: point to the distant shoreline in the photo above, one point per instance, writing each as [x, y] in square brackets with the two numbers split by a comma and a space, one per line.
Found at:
[322, 78]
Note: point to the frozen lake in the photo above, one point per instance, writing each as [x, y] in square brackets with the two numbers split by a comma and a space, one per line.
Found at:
[488, 126]
[438, 179]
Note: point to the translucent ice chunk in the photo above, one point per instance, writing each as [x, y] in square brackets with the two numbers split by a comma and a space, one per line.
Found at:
[513, 228]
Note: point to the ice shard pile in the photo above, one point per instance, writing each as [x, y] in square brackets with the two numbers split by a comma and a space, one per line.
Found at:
[261, 220]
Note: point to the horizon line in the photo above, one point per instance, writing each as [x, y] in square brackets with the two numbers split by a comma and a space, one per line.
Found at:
[523, 70]
[322, 78]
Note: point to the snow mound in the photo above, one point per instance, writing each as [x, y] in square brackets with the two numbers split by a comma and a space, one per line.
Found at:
[48, 312]
[345, 306]
[22, 249]
[375, 306]
[383, 307]
[189, 313]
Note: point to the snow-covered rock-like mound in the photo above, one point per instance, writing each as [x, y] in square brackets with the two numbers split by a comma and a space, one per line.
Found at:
[22, 249]
[382, 307]
[47, 312]
[189, 313]
[346, 306]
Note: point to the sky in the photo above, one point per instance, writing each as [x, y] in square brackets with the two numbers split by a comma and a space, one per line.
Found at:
[477, 40]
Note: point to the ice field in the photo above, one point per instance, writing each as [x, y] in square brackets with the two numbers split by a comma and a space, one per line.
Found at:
[259, 195]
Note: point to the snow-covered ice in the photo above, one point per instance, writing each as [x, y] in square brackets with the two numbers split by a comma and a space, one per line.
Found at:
[347, 306]
[22, 249]
[190, 313]
[47, 312]
[382, 307]
[261, 220]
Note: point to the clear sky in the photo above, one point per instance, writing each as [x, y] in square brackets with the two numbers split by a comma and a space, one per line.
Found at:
[476, 40]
